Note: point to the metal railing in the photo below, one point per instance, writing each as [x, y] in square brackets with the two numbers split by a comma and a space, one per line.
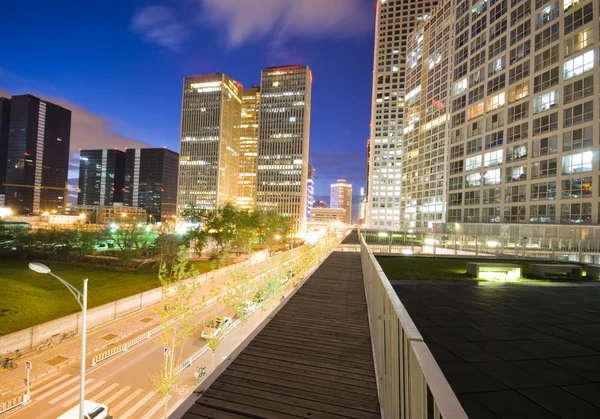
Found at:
[505, 247]
[12, 403]
[410, 383]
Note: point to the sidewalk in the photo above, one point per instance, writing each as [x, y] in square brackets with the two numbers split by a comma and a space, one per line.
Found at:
[110, 334]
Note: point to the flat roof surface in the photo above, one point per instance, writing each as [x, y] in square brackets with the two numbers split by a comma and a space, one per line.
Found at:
[313, 360]
[514, 350]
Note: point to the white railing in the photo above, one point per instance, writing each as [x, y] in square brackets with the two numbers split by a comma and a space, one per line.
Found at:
[405, 368]
[12, 403]
[124, 346]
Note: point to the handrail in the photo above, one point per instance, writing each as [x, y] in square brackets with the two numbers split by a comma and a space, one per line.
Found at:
[406, 370]
[12, 403]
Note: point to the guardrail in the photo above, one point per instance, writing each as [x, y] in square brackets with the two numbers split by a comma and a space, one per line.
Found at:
[124, 346]
[408, 377]
[12, 403]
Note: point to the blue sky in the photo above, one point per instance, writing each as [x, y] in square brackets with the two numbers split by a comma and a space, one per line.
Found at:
[119, 65]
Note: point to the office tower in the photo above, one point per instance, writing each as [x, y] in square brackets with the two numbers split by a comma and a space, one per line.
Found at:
[426, 107]
[38, 155]
[396, 19]
[101, 177]
[341, 197]
[248, 145]
[283, 141]
[310, 190]
[522, 136]
[151, 181]
[4, 124]
[210, 137]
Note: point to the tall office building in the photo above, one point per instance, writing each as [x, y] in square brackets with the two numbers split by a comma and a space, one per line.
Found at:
[396, 19]
[38, 155]
[283, 141]
[248, 146]
[425, 136]
[310, 190]
[210, 139]
[151, 181]
[101, 177]
[522, 132]
[341, 197]
[4, 124]
[362, 206]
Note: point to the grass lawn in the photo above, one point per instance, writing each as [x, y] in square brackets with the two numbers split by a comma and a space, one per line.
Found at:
[397, 268]
[28, 298]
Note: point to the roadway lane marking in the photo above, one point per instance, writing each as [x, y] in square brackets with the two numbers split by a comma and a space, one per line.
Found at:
[88, 390]
[69, 392]
[106, 390]
[127, 400]
[138, 405]
[114, 396]
[156, 407]
[60, 387]
[50, 384]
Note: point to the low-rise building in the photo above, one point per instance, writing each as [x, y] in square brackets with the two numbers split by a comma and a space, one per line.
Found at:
[328, 215]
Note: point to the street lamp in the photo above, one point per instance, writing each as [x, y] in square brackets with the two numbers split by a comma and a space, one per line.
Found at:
[82, 300]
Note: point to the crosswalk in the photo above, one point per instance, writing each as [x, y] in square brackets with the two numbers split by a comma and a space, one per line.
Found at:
[124, 402]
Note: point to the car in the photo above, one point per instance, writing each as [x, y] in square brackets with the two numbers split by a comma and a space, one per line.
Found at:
[249, 307]
[93, 410]
[216, 327]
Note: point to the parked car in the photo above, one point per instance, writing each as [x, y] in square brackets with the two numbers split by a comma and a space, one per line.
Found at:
[216, 327]
[93, 410]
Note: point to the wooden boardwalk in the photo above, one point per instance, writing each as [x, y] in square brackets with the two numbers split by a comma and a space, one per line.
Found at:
[313, 360]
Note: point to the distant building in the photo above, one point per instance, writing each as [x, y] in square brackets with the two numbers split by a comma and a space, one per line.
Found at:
[104, 214]
[210, 141]
[4, 125]
[38, 155]
[101, 177]
[321, 204]
[283, 141]
[328, 215]
[310, 190]
[362, 204]
[151, 181]
[248, 146]
[341, 197]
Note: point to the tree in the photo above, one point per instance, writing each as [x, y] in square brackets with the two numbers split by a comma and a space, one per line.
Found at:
[131, 240]
[177, 318]
[83, 241]
[240, 290]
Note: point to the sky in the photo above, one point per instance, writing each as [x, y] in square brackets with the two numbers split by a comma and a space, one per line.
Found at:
[119, 66]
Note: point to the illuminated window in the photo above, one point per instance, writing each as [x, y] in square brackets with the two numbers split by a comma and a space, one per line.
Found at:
[580, 187]
[413, 95]
[546, 101]
[473, 163]
[569, 3]
[579, 65]
[475, 111]
[460, 86]
[492, 177]
[275, 84]
[493, 158]
[518, 92]
[473, 180]
[496, 102]
[579, 41]
[577, 163]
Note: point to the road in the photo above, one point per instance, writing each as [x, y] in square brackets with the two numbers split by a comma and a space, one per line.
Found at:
[123, 382]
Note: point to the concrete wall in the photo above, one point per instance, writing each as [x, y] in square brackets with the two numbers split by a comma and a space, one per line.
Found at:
[29, 339]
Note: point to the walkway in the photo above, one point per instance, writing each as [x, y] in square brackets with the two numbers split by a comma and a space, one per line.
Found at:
[313, 359]
[513, 351]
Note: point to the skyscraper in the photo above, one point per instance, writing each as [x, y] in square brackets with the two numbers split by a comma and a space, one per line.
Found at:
[210, 138]
[362, 206]
[283, 141]
[101, 177]
[395, 20]
[310, 190]
[4, 124]
[341, 197]
[151, 181]
[521, 135]
[248, 146]
[38, 155]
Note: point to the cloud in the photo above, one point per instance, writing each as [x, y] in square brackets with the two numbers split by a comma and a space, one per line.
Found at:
[159, 25]
[248, 20]
[89, 130]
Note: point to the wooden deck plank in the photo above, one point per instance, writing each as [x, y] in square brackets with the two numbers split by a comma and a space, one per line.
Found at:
[314, 359]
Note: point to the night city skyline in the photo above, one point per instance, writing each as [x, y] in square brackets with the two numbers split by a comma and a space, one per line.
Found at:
[123, 80]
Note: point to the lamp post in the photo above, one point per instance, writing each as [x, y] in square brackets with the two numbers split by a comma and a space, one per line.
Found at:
[82, 300]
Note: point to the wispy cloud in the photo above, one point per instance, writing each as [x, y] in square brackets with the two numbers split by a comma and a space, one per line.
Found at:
[89, 130]
[159, 25]
[248, 20]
